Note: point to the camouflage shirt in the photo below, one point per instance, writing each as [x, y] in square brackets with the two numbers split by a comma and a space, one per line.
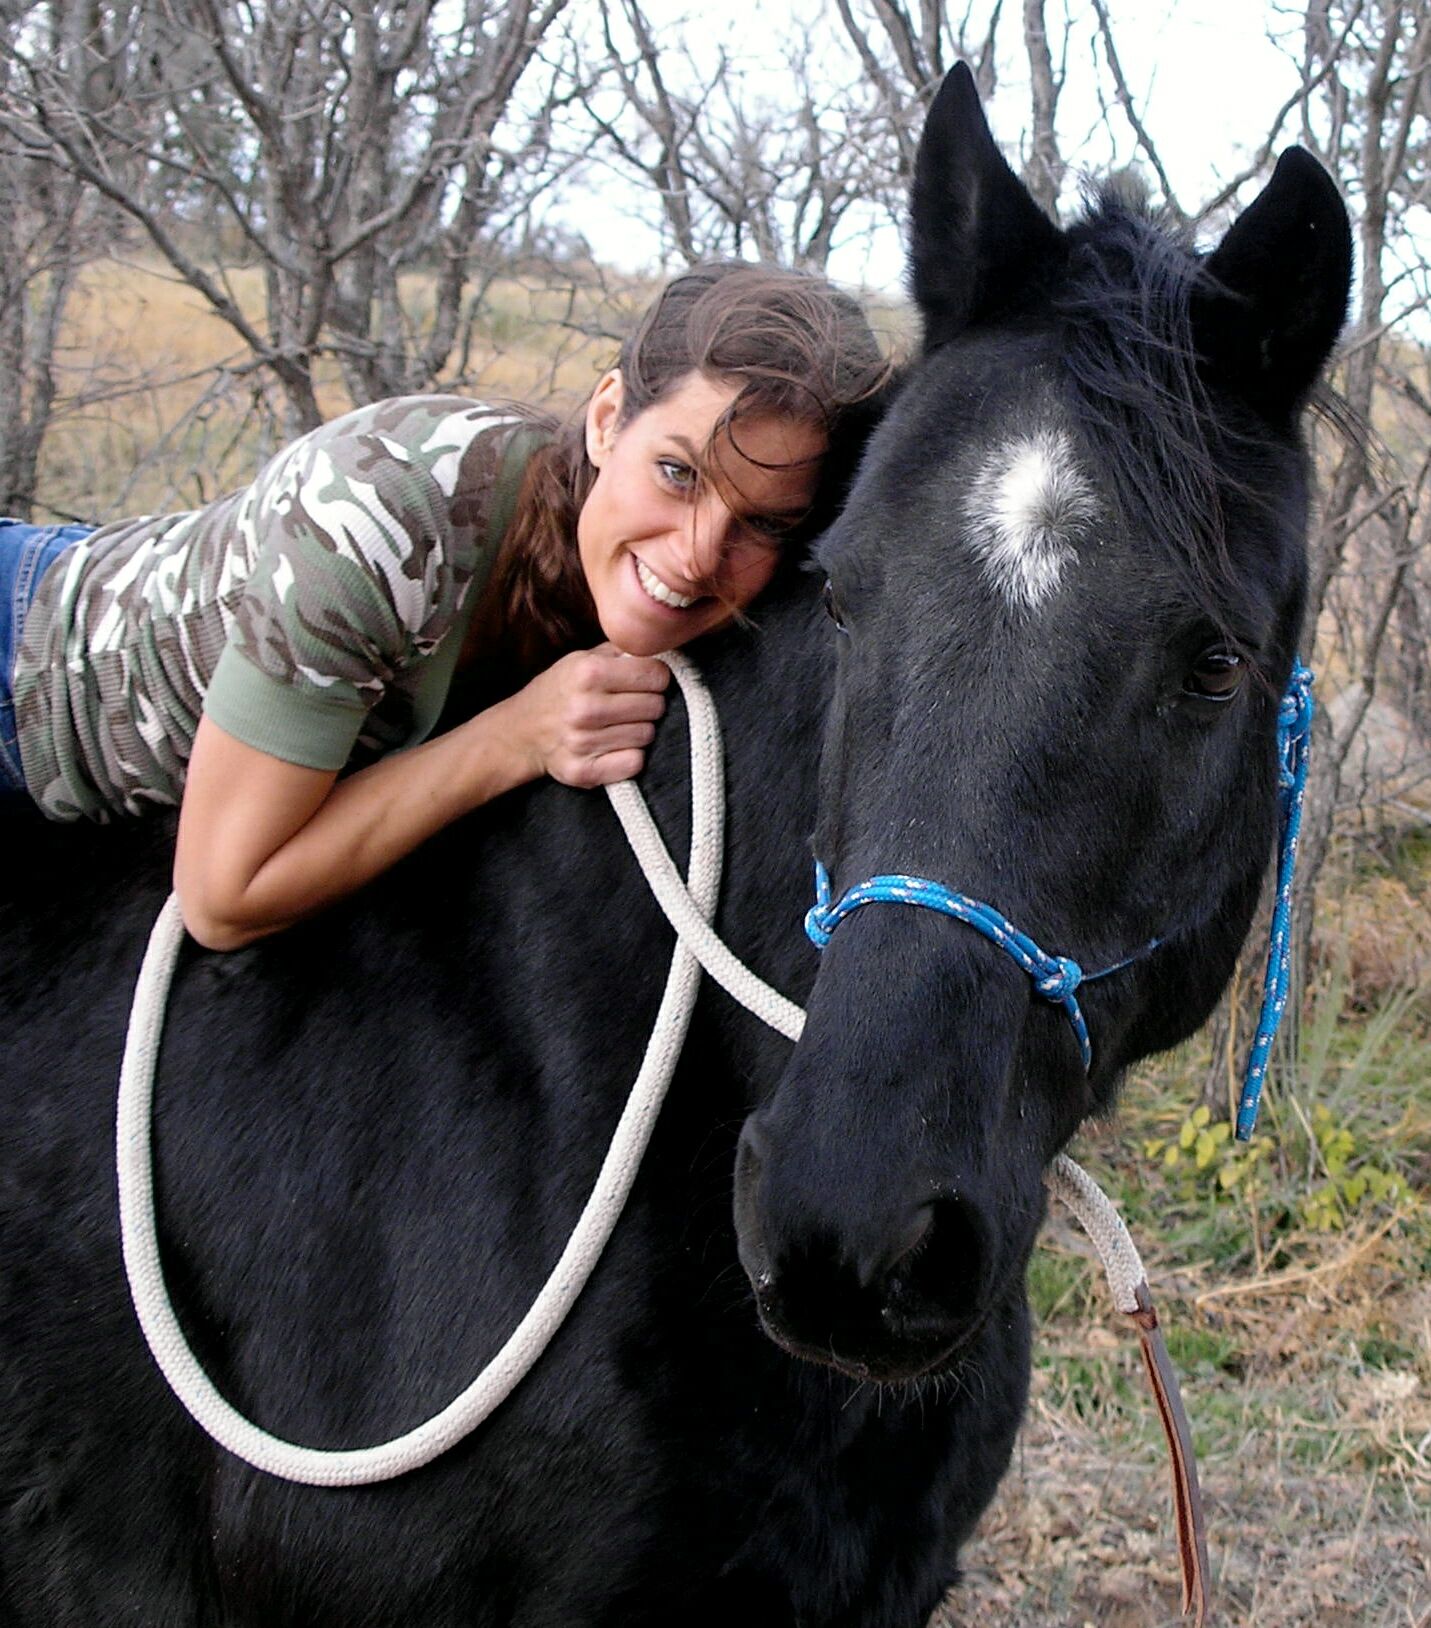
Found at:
[316, 615]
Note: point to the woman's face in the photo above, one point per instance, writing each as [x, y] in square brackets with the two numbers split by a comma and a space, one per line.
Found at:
[679, 533]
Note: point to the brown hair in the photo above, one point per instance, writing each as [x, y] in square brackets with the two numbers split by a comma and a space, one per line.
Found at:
[796, 346]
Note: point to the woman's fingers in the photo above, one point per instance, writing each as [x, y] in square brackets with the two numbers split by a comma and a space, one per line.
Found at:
[613, 766]
[619, 671]
[604, 711]
[597, 757]
[620, 736]
[607, 668]
[590, 716]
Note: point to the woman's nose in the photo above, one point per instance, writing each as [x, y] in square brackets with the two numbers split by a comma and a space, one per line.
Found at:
[707, 538]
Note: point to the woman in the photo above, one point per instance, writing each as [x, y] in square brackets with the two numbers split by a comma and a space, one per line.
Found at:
[240, 658]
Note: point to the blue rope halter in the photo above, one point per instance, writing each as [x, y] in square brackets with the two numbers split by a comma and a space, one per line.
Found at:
[1056, 977]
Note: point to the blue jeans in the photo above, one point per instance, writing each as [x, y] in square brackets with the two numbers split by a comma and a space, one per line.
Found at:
[26, 552]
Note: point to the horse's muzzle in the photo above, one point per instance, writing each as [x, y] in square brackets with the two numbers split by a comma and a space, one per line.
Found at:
[889, 1289]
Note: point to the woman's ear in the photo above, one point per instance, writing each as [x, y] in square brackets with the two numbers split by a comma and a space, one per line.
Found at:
[603, 416]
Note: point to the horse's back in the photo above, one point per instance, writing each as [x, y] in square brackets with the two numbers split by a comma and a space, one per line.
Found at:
[353, 1219]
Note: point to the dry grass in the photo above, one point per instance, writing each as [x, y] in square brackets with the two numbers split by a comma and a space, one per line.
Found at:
[1080, 1536]
[1383, 928]
[158, 412]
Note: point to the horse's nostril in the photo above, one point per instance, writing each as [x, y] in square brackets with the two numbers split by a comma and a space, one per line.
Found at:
[913, 1236]
[753, 1148]
[947, 1266]
[888, 1254]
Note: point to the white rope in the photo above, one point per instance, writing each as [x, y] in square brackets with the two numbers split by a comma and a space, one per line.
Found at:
[361, 1466]
[1100, 1220]
[692, 928]
[689, 907]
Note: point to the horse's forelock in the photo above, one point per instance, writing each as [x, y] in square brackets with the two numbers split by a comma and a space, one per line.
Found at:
[1130, 362]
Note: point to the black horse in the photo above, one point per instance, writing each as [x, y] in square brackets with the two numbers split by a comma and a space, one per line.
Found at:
[1066, 593]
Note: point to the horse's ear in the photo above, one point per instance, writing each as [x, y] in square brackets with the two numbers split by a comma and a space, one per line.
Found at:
[1274, 296]
[978, 242]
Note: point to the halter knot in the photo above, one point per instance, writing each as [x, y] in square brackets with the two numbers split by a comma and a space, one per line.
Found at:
[1061, 979]
[821, 917]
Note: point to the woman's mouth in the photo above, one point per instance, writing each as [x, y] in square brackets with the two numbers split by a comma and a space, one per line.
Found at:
[655, 589]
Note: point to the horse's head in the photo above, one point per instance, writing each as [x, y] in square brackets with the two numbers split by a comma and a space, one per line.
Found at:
[1067, 591]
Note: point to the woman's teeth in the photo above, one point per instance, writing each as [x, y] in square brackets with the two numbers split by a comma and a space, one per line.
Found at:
[659, 591]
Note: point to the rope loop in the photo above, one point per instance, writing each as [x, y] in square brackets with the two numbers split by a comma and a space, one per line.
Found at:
[362, 1466]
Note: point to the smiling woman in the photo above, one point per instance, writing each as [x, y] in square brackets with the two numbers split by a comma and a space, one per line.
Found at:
[683, 524]
[275, 662]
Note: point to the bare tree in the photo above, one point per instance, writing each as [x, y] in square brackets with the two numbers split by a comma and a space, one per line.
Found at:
[905, 47]
[50, 225]
[726, 170]
[42, 225]
[337, 144]
[1371, 577]
[1043, 173]
[1127, 106]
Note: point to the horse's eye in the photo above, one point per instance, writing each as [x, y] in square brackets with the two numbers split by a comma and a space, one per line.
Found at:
[1216, 675]
[832, 605]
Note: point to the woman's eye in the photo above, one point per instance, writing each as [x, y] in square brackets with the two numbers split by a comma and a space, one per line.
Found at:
[832, 605]
[676, 474]
[1216, 675]
[773, 528]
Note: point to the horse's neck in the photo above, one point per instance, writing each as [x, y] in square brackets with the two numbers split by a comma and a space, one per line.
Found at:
[771, 683]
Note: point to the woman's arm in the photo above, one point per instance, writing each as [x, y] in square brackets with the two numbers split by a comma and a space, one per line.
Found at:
[263, 843]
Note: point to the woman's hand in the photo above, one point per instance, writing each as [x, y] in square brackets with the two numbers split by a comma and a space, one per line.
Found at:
[588, 719]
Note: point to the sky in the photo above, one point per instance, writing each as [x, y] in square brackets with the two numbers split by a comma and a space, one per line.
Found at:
[1206, 77]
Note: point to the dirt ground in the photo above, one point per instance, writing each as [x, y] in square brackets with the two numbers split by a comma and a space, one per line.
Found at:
[1080, 1536]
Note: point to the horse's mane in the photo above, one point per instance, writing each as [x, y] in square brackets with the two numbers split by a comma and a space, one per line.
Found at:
[1130, 360]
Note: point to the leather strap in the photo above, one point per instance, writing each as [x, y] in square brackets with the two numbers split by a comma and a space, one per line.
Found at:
[1187, 1499]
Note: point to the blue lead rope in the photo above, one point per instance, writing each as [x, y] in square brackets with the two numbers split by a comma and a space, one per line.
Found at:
[1056, 977]
[1294, 742]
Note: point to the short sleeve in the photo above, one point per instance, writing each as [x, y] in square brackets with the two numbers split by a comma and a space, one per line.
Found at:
[352, 578]
[311, 727]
